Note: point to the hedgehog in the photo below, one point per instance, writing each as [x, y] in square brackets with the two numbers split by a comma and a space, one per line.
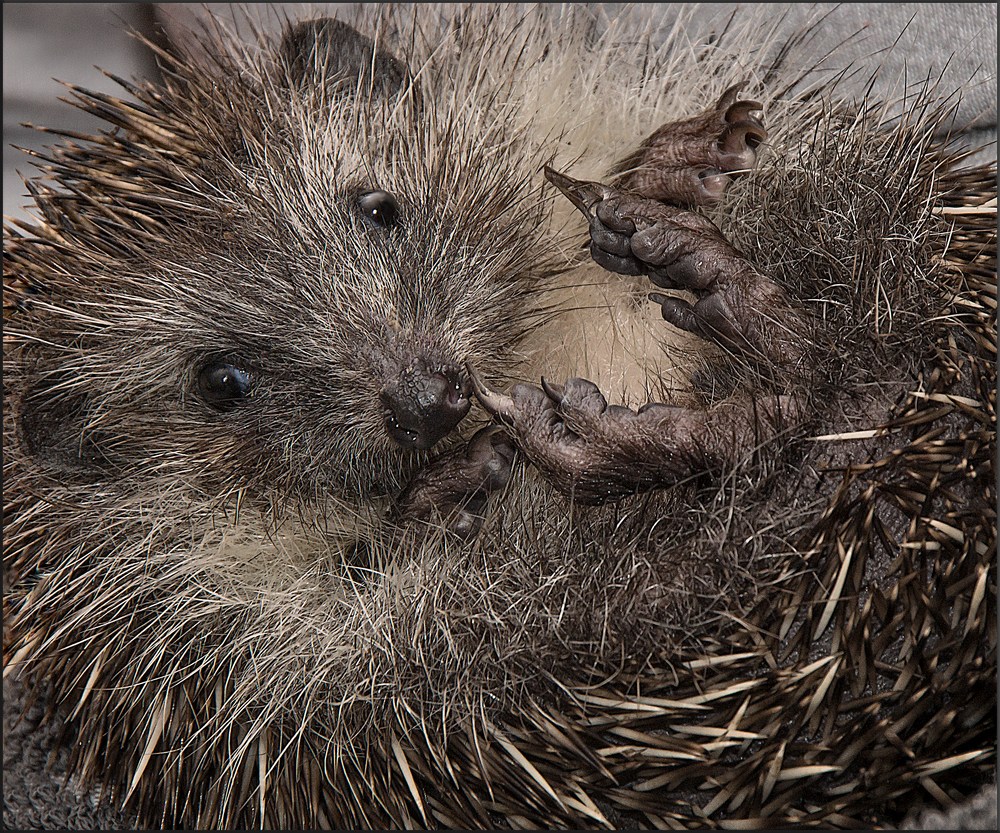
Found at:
[597, 435]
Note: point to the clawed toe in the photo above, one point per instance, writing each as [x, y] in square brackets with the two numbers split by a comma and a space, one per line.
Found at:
[743, 132]
[595, 451]
[691, 162]
[735, 111]
[738, 148]
[454, 488]
[570, 434]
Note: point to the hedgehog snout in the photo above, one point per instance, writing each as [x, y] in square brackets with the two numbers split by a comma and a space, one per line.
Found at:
[424, 403]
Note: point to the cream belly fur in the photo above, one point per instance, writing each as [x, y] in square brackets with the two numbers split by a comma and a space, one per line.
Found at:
[604, 329]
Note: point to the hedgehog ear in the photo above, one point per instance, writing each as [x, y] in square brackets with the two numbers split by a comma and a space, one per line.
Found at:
[51, 424]
[329, 52]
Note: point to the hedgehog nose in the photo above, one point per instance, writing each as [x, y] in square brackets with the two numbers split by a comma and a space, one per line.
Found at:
[424, 405]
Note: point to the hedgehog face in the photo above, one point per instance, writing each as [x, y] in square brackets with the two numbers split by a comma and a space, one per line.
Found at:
[393, 269]
[302, 321]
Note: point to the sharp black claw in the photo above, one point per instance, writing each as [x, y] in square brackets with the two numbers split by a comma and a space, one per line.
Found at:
[657, 298]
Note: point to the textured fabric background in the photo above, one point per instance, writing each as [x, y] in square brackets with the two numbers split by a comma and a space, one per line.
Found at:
[898, 42]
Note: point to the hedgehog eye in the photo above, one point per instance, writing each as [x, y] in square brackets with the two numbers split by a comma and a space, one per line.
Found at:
[379, 208]
[222, 385]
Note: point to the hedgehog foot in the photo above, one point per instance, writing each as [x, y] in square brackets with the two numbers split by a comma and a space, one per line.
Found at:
[454, 487]
[736, 306]
[597, 452]
[691, 162]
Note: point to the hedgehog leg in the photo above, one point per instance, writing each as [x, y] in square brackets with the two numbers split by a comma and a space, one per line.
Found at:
[735, 305]
[691, 162]
[596, 452]
[454, 487]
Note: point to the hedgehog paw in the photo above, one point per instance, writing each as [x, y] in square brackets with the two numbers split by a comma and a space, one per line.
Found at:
[736, 306]
[691, 162]
[580, 444]
[597, 452]
[454, 488]
[634, 235]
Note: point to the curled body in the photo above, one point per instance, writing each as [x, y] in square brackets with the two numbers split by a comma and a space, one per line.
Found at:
[315, 305]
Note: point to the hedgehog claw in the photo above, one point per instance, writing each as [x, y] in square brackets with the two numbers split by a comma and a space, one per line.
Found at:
[740, 112]
[496, 404]
[583, 194]
[553, 391]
